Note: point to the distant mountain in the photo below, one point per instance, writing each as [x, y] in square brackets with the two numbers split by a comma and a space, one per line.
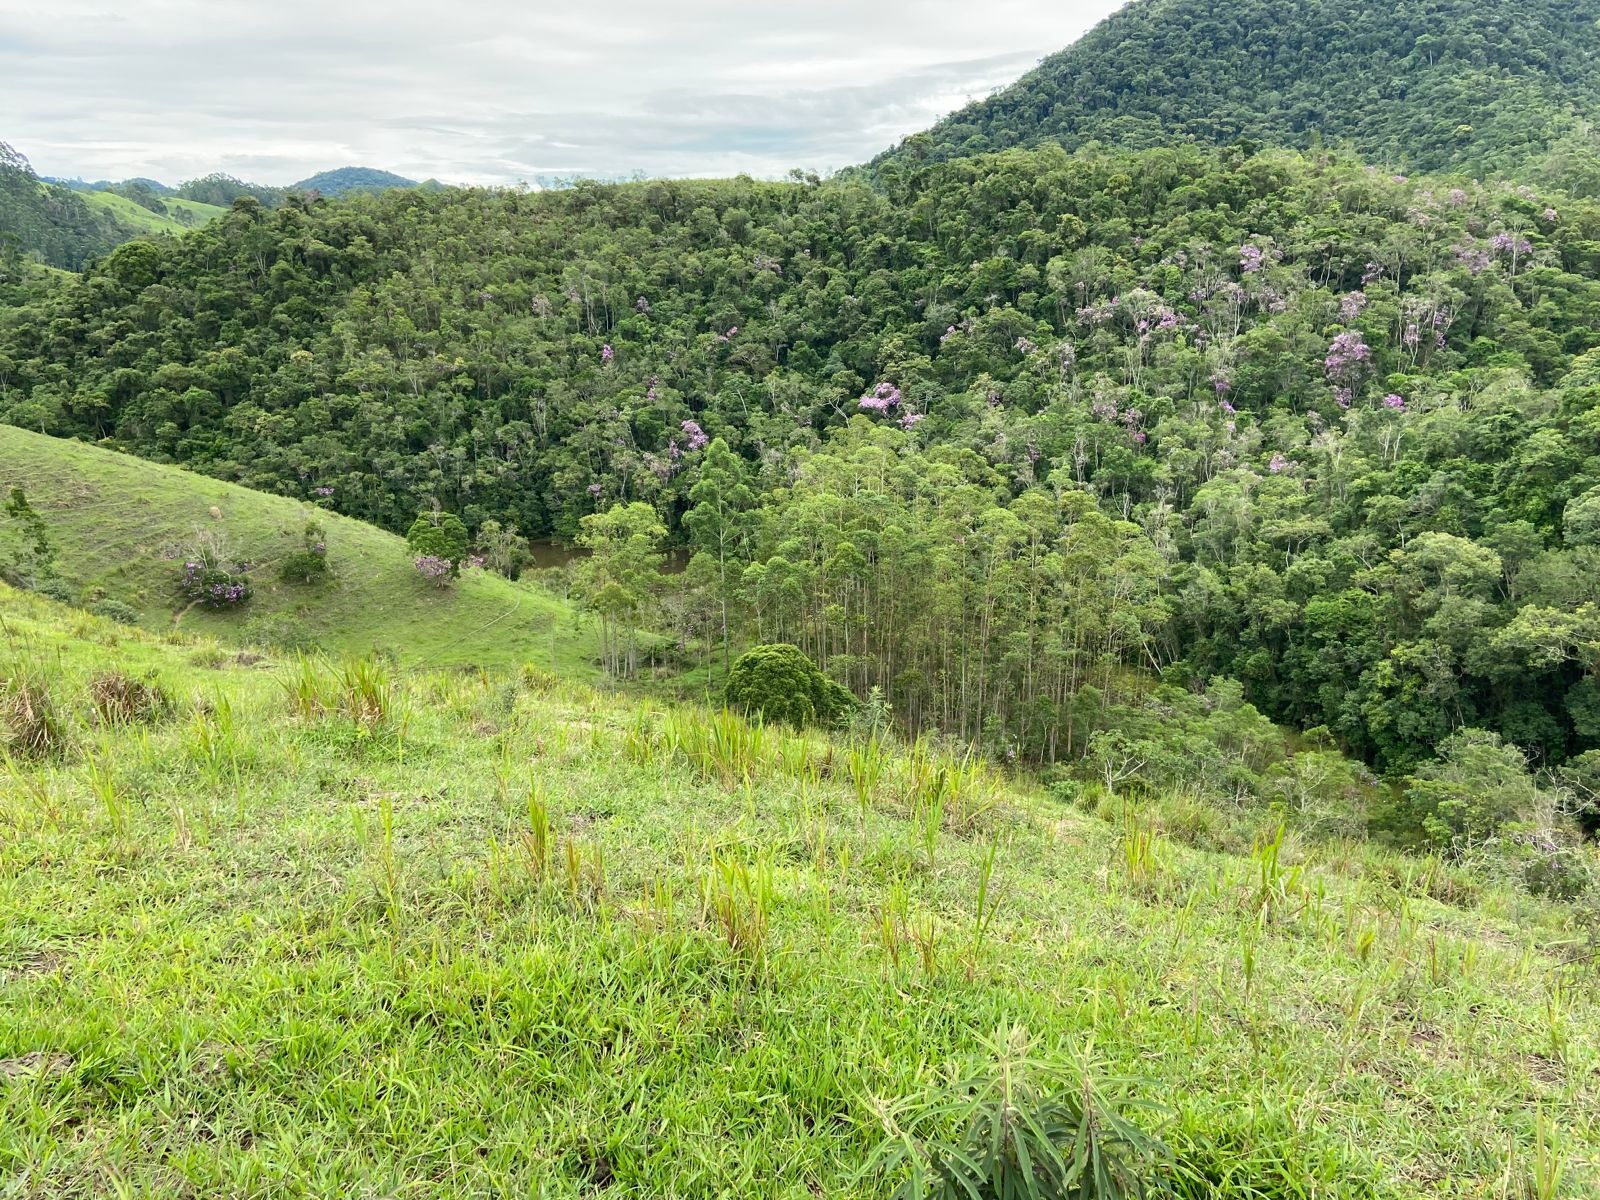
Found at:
[345, 180]
[1476, 86]
[138, 183]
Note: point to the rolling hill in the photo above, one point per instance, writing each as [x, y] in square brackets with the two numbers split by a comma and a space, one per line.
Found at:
[120, 525]
[1441, 85]
[181, 215]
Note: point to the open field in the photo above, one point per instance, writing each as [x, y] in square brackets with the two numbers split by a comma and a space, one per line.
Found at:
[312, 930]
[121, 526]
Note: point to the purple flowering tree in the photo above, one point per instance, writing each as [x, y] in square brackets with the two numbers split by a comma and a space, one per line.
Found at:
[695, 437]
[881, 399]
[1348, 360]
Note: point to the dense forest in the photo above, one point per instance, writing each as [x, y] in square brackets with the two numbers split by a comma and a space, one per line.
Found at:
[1503, 88]
[1008, 441]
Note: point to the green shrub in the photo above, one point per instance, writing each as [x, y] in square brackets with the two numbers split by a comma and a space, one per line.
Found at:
[779, 683]
[303, 566]
[439, 542]
[213, 575]
[309, 564]
[1553, 869]
[1477, 785]
[55, 587]
[115, 610]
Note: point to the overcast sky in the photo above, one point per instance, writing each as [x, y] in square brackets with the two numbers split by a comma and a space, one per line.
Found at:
[497, 91]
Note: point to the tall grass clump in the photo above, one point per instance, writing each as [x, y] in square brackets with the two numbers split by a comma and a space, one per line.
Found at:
[103, 782]
[32, 727]
[1019, 1125]
[538, 842]
[739, 897]
[215, 742]
[720, 745]
[1140, 851]
[361, 690]
[307, 688]
[865, 763]
[119, 698]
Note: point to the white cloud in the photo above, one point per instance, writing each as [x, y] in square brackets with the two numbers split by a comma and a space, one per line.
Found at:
[493, 91]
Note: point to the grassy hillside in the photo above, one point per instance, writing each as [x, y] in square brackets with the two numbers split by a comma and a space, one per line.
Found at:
[182, 215]
[463, 935]
[121, 524]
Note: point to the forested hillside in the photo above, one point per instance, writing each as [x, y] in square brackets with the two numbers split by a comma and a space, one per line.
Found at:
[998, 438]
[48, 223]
[1505, 87]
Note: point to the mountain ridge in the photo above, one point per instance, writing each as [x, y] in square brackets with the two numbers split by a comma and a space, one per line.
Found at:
[1430, 85]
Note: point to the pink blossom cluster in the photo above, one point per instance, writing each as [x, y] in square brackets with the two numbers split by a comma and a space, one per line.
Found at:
[1347, 355]
[1099, 313]
[434, 569]
[881, 399]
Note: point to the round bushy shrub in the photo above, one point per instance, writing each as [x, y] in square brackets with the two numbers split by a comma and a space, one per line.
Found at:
[438, 542]
[779, 683]
[304, 566]
[1554, 870]
[55, 587]
[115, 610]
[309, 564]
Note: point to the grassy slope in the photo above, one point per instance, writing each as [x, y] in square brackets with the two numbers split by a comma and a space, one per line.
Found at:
[137, 217]
[316, 963]
[119, 523]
